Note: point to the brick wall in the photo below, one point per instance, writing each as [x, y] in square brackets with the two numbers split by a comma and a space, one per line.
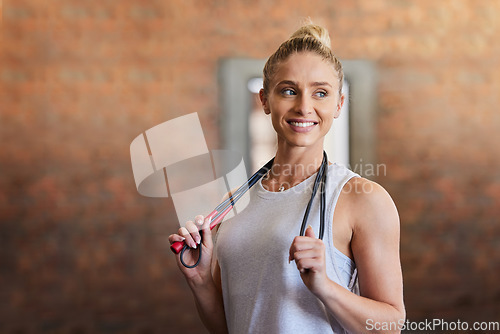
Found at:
[82, 252]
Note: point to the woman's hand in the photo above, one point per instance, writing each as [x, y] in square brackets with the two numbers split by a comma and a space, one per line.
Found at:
[309, 255]
[191, 235]
[206, 291]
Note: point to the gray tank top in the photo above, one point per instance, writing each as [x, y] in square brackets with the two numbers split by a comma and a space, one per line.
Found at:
[262, 292]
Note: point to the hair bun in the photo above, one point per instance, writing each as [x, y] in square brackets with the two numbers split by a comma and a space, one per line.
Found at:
[308, 38]
[314, 31]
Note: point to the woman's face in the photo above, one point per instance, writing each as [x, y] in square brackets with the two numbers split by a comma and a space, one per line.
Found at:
[303, 99]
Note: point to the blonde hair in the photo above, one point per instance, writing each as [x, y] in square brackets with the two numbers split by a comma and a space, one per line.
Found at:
[311, 38]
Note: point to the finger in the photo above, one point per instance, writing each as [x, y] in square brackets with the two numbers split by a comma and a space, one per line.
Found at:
[198, 220]
[301, 243]
[308, 264]
[206, 222]
[175, 238]
[298, 244]
[304, 243]
[309, 232]
[188, 238]
[194, 230]
[307, 254]
[207, 233]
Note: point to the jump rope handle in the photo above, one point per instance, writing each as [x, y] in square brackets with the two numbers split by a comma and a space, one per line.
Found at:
[182, 246]
[177, 246]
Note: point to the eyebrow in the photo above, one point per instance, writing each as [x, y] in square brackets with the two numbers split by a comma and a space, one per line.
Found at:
[323, 83]
[293, 83]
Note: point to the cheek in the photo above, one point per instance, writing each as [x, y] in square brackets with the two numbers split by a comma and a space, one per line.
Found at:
[276, 121]
[277, 111]
[328, 125]
[328, 117]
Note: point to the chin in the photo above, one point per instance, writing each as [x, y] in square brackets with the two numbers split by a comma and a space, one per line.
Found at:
[302, 142]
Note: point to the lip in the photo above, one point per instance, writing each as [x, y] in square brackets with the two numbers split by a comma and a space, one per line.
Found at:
[301, 129]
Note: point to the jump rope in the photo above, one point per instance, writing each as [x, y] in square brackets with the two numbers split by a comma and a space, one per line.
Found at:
[216, 216]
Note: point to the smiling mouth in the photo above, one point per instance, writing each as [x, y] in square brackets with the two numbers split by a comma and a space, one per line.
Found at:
[301, 124]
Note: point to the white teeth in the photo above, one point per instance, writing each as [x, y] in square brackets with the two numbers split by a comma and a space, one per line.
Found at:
[302, 124]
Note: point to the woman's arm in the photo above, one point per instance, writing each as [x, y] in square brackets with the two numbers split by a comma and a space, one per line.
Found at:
[203, 282]
[375, 247]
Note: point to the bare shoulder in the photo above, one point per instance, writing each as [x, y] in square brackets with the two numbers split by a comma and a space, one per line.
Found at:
[370, 205]
[375, 242]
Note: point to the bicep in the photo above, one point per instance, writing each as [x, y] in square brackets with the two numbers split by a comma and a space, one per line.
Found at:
[375, 247]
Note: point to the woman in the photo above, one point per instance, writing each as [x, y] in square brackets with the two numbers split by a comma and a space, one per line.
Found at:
[261, 277]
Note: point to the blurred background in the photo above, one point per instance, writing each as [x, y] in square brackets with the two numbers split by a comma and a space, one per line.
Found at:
[82, 252]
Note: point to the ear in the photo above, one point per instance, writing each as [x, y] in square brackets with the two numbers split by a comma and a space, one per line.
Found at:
[339, 106]
[264, 101]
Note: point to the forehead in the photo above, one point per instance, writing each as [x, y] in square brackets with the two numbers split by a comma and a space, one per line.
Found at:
[304, 68]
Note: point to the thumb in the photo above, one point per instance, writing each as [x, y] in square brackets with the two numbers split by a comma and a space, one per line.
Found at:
[205, 229]
[309, 232]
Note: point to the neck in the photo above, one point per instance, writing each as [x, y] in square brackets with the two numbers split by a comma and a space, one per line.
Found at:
[292, 165]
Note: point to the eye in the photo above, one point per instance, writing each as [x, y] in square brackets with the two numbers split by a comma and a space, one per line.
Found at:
[288, 91]
[321, 94]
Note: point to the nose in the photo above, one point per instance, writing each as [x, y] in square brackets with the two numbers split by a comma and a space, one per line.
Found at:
[304, 104]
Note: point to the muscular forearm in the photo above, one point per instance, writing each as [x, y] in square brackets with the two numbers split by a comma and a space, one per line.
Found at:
[210, 306]
[359, 314]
